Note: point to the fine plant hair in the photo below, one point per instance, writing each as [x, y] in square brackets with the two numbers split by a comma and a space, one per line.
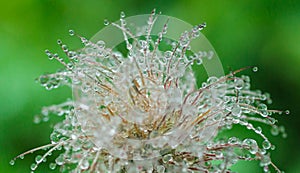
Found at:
[141, 110]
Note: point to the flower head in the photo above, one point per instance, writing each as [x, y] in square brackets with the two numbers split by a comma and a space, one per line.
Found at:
[141, 110]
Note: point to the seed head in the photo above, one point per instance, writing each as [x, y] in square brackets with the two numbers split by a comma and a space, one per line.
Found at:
[141, 110]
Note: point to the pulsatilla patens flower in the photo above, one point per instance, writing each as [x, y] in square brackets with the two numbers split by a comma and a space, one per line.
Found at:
[141, 109]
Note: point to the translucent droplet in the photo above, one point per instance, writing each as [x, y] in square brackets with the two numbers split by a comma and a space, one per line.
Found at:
[101, 44]
[71, 32]
[287, 112]
[236, 110]
[21, 156]
[264, 113]
[37, 119]
[232, 140]
[255, 69]
[266, 144]
[160, 169]
[265, 161]
[262, 106]
[12, 162]
[52, 166]
[166, 158]
[253, 148]
[199, 61]
[84, 164]
[284, 135]
[106, 22]
[274, 130]
[258, 130]
[59, 42]
[122, 14]
[239, 83]
[49, 54]
[64, 47]
[59, 160]
[38, 159]
[70, 65]
[33, 166]
[168, 54]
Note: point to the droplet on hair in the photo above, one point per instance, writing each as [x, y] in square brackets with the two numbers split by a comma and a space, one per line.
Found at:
[255, 69]
[71, 32]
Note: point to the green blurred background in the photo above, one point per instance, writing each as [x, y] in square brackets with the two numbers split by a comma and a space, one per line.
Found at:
[265, 33]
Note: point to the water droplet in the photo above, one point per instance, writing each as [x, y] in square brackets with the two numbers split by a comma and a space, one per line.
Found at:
[38, 159]
[167, 158]
[59, 42]
[84, 164]
[262, 106]
[236, 110]
[59, 160]
[255, 69]
[239, 83]
[71, 32]
[284, 135]
[64, 47]
[258, 130]
[12, 162]
[37, 119]
[33, 166]
[253, 148]
[266, 144]
[122, 14]
[106, 22]
[101, 44]
[199, 61]
[265, 160]
[287, 112]
[264, 113]
[160, 169]
[52, 166]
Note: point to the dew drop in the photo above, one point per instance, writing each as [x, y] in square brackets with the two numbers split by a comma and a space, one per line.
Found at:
[167, 158]
[239, 83]
[101, 44]
[84, 165]
[52, 166]
[262, 106]
[64, 47]
[266, 144]
[236, 110]
[12, 162]
[106, 22]
[59, 42]
[33, 166]
[37, 119]
[122, 14]
[287, 112]
[160, 169]
[71, 32]
[38, 159]
[59, 160]
[258, 130]
[255, 69]
[266, 169]
[168, 54]
[199, 61]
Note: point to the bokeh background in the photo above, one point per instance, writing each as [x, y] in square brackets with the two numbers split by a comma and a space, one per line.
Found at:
[265, 33]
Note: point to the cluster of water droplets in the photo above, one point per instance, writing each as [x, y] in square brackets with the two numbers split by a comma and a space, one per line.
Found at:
[141, 111]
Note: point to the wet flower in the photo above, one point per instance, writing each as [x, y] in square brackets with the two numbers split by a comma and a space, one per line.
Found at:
[141, 110]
